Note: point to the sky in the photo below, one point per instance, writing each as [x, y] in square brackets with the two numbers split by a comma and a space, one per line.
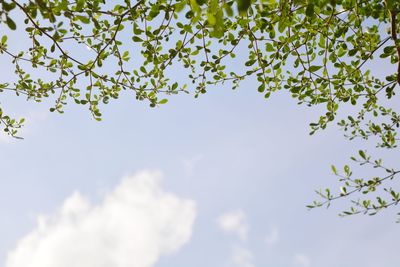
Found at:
[221, 180]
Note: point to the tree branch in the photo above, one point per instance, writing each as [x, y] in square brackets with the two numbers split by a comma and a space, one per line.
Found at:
[393, 15]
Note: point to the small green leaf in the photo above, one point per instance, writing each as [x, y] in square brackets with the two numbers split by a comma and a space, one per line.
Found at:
[343, 191]
[83, 19]
[10, 23]
[310, 10]
[269, 47]
[137, 39]
[243, 5]
[314, 68]
[4, 39]
[334, 169]
[79, 5]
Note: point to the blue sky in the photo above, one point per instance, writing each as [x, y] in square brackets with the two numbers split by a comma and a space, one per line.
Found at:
[231, 153]
[222, 180]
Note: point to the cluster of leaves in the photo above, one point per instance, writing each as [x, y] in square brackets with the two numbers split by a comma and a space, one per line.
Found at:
[318, 50]
[379, 186]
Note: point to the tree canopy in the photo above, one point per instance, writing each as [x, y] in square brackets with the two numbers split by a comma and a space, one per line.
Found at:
[321, 51]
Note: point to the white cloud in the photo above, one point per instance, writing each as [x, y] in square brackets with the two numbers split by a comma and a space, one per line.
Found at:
[302, 260]
[273, 236]
[234, 222]
[242, 257]
[132, 227]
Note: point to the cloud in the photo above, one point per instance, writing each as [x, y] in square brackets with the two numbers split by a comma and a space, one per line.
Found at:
[234, 222]
[273, 236]
[133, 226]
[242, 257]
[302, 260]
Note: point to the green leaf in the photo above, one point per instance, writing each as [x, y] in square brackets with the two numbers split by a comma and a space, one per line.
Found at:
[211, 19]
[310, 10]
[314, 68]
[137, 39]
[243, 6]
[343, 191]
[10, 23]
[4, 39]
[201, 2]
[334, 169]
[79, 5]
[269, 47]
[228, 10]
[8, 6]
[84, 19]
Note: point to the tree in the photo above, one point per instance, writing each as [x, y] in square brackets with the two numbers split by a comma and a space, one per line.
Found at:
[321, 51]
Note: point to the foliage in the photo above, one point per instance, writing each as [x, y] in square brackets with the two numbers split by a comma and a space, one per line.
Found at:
[321, 51]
